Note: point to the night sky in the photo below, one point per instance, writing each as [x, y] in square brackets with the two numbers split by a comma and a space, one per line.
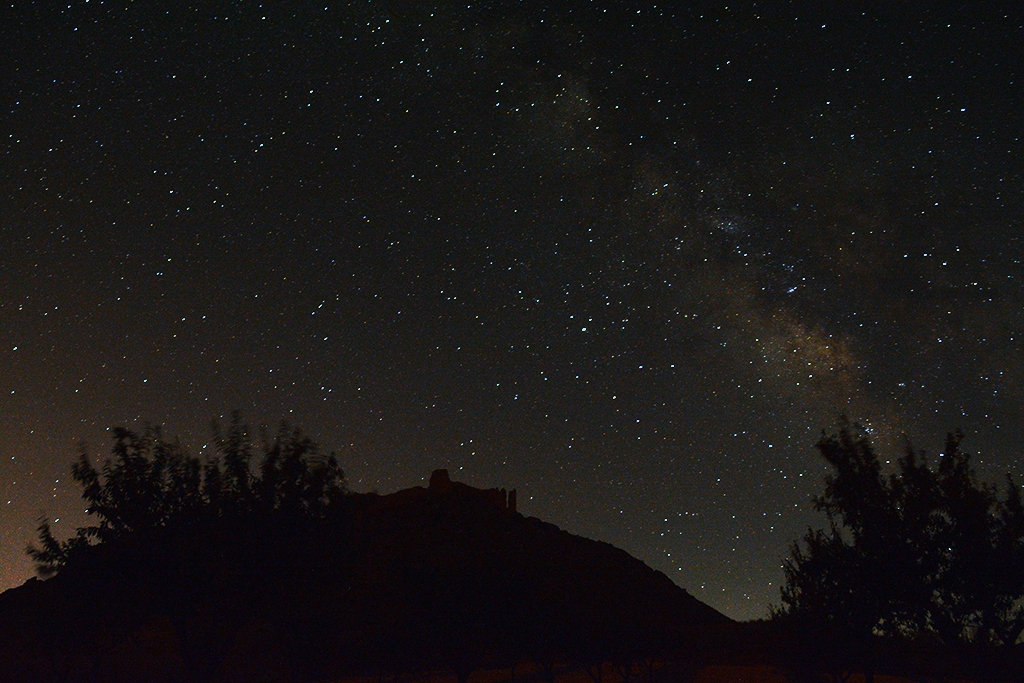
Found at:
[628, 259]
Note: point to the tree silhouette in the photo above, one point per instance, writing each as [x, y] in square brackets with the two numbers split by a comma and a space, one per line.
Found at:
[51, 554]
[922, 551]
[258, 552]
[146, 483]
[233, 464]
[191, 542]
[149, 483]
[978, 586]
[295, 477]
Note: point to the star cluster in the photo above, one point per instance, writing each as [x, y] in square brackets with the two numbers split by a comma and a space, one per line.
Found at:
[627, 258]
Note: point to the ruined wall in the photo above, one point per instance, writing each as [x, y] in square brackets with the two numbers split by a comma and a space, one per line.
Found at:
[441, 484]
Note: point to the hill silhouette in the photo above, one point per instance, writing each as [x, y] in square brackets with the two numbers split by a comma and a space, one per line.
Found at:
[440, 578]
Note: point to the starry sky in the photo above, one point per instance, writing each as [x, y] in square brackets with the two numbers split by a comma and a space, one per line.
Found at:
[627, 258]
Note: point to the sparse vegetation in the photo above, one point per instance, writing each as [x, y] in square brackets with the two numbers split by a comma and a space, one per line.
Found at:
[149, 483]
[925, 553]
[267, 549]
[262, 558]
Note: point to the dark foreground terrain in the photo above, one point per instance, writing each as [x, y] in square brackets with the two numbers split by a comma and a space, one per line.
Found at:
[447, 578]
[444, 583]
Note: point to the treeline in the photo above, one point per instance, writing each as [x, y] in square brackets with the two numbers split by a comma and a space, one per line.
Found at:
[920, 557]
[150, 483]
[919, 572]
[260, 557]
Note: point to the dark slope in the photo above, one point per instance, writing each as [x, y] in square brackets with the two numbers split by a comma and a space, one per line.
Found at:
[466, 568]
[444, 577]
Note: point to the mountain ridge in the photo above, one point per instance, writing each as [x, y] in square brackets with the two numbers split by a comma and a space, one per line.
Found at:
[446, 577]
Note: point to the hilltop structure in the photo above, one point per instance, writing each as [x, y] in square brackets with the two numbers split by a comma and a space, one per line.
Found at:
[443, 577]
[442, 485]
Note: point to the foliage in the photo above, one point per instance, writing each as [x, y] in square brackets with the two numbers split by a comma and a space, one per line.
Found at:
[924, 551]
[150, 483]
[259, 550]
[52, 554]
